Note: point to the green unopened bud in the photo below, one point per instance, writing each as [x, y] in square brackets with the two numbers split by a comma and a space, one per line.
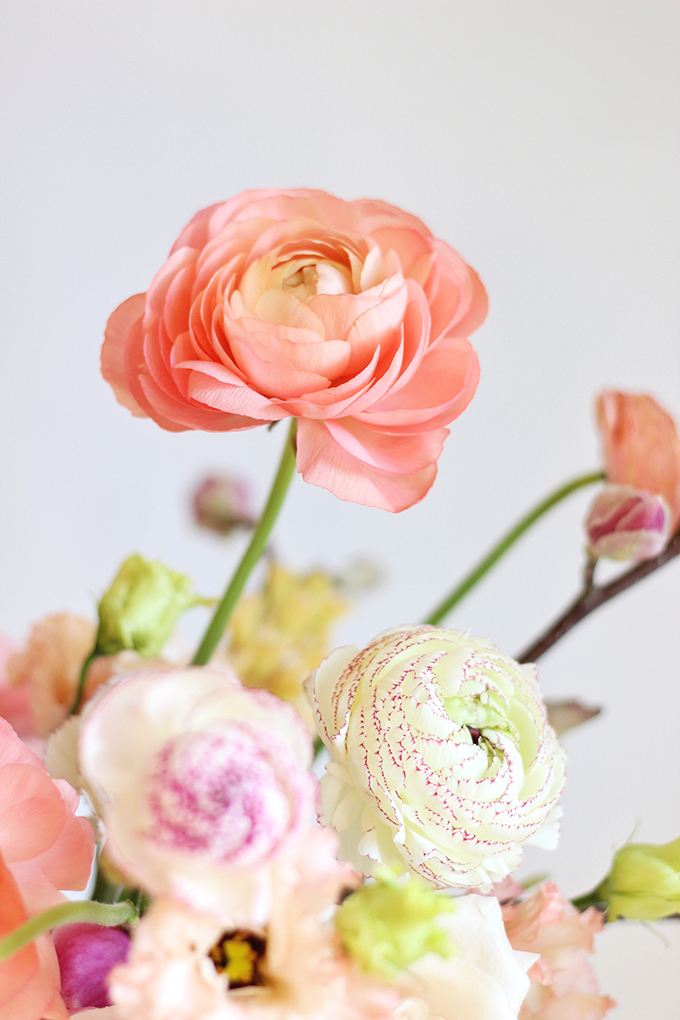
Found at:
[644, 883]
[142, 606]
[389, 924]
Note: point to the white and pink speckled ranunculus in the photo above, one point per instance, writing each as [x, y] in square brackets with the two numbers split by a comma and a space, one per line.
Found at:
[442, 757]
[349, 316]
[202, 785]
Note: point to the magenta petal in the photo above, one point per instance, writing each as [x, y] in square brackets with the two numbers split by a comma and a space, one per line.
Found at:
[87, 953]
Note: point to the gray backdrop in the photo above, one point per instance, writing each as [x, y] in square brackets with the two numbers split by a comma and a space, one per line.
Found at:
[541, 139]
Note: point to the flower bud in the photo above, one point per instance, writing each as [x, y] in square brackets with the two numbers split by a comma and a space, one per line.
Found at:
[624, 524]
[86, 954]
[641, 446]
[391, 923]
[222, 504]
[644, 882]
[142, 606]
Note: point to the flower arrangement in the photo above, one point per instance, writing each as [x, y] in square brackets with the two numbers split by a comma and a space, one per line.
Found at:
[270, 828]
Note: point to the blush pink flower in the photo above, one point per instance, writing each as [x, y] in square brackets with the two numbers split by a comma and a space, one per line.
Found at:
[350, 316]
[641, 446]
[44, 848]
[563, 980]
[201, 783]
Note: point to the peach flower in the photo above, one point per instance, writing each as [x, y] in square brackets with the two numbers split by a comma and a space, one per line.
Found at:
[350, 316]
[641, 446]
[48, 667]
[563, 981]
[44, 847]
[192, 965]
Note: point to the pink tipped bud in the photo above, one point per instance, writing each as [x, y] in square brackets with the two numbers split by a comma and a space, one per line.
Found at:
[222, 504]
[624, 524]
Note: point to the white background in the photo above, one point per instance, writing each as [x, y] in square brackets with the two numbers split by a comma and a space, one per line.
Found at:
[540, 139]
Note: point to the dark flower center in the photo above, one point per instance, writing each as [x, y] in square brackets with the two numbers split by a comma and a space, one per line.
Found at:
[239, 953]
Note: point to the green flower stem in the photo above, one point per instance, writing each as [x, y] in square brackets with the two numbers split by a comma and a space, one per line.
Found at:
[507, 541]
[109, 915]
[591, 899]
[80, 690]
[253, 552]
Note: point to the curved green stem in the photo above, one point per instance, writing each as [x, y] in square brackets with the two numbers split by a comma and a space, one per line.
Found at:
[80, 690]
[108, 914]
[253, 552]
[507, 541]
[591, 899]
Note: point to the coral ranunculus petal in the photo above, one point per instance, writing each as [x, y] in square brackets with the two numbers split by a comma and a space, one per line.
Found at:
[297, 303]
[322, 461]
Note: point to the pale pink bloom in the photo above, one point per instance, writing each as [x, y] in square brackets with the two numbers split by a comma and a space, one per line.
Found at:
[302, 971]
[44, 848]
[223, 503]
[564, 986]
[484, 979]
[201, 784]
[49, 665]
[350, 316]
[641, 446]
[624, 524]
[442, 758]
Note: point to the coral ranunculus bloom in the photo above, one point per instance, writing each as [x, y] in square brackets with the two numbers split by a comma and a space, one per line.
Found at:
[641, 447]
[44, 847]
[350, 316]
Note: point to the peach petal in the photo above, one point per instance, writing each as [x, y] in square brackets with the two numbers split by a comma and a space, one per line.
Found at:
[19, 969]
[161, 284]
[302, 349]
[140, 381]
[118, 330]
[271, 374]
[451, 367]
[278, 307]
[178, 302]
[403, 457]
[180, 415]
[641, 446]
[378, 326]
[321, 461]
[246, 408]
[34, 791]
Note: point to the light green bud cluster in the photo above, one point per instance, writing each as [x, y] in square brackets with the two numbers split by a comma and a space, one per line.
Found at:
[390, 923]
[644, 882]
[142, 606]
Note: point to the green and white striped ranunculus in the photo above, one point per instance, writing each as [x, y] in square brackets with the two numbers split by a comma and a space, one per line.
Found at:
[442, 757]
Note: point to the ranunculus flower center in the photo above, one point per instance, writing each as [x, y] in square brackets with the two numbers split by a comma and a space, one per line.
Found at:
[217, 793]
